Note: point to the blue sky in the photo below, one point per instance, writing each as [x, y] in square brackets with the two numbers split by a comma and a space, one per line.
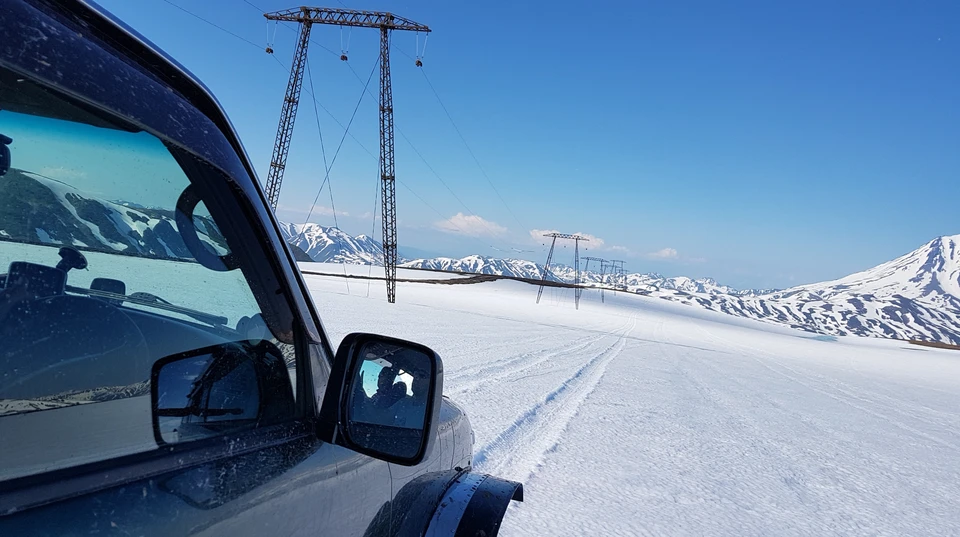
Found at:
[760, 143]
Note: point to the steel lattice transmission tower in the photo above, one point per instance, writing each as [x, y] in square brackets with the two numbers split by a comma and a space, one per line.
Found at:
[620, 277]
[306, 17]
[576, 261]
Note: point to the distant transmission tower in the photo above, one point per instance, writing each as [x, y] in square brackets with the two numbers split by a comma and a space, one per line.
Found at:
[620, 278]
[577, 290]
[603, 265]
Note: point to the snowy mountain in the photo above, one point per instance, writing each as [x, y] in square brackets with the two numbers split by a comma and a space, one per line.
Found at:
[930, 273]
[330, 245]
[478, 264]
[34, 208]
[916, 296]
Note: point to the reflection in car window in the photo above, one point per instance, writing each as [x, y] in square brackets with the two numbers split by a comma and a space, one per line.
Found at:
[78, 351]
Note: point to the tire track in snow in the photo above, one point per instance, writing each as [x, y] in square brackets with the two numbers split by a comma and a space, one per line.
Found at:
[519, 364]
[519, 449]
[488, 349]
[493, 365]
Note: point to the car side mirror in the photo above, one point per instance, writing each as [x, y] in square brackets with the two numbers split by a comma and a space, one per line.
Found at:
[217, 390]
[383, 398]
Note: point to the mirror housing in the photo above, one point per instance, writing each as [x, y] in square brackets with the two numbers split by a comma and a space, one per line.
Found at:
[220, 389]
[385, 433]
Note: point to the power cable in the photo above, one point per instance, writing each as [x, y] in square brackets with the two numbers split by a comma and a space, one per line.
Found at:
[215, 25]
[254, 6]
[433, 171]
[342, 138]
[333, 206]
[463, 139]
[469, 149]
[373, 227]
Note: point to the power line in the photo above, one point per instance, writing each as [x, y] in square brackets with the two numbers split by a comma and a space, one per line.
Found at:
[333, 206]
[373, 230]
[251, 4]
[215, 25]
[412, 191]
[463, 139]
[342, 138]
[469, 150]
[433, 171]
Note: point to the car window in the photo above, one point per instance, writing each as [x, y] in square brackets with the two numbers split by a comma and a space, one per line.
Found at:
[110, 260]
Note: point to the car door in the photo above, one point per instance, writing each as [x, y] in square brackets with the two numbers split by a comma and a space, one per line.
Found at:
[126, 406]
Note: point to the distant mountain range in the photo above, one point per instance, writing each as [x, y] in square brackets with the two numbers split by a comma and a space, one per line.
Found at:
[916, 296]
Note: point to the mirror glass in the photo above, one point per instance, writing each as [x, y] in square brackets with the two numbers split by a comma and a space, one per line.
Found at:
[202, 396]
[389, 400]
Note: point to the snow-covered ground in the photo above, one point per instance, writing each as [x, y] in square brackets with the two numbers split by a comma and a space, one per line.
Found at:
[645, 417]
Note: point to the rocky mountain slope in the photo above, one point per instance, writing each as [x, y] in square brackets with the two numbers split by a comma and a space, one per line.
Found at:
[916, 296]
[330, 245]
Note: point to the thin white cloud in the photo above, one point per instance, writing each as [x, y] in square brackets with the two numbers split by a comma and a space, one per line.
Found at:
[321, 210]
[621, 249]
[471, 225]
[665, 253]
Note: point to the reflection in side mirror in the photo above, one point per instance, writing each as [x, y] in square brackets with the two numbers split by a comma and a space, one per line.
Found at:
[384, 397]
[388, 405]
[219, 390]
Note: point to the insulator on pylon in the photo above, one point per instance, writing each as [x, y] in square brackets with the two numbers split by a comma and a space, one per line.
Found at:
[269, 50]
[343, 57]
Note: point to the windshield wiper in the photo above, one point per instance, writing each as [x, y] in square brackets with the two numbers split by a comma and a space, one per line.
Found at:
[151, 300]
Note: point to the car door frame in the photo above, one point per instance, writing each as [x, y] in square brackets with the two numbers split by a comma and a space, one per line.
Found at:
[312, 348]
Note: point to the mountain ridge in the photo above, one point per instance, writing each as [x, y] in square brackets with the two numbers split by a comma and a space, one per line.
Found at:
[915, 296]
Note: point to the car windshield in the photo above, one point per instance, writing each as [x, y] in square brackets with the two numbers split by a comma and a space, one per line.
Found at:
[111, 193]
[111, 259]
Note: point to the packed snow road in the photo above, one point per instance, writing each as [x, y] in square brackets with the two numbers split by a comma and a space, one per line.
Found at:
[642, 417]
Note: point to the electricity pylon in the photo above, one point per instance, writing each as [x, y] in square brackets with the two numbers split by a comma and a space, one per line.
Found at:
[620, 278]
[577, 290]
[306, 17]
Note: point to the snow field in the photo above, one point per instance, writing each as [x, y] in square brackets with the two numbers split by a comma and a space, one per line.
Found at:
[643, 417]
